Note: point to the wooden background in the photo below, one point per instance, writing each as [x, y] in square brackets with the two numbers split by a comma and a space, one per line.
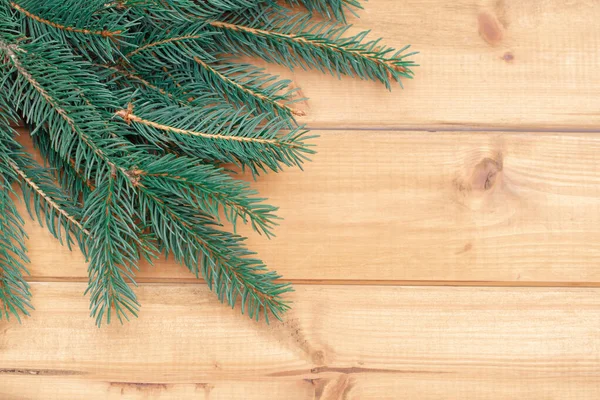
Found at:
[444, 243]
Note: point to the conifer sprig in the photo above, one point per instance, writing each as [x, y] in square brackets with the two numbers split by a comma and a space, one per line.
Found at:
[49, 202]
[332, 9]
[248, 86]
[139, 108]
[15, 296]
[294, 40]
[113, 245]
[93, 29]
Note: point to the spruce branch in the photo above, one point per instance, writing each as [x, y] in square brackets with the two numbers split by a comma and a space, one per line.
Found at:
[64, 170]
[94, 30]
[15, 296]
[169, 12]
[103, 33]
[225, 264]
[11, 50]
[96, 146]
[55, 205]
[128, 116]
[210, 190]
[332, 9]
[162, 43]
[251, 93]
[113, 248]
[172, 47]
[296, 41]
[14, 290]
[137, 108]
[135, 78]
[236, 137]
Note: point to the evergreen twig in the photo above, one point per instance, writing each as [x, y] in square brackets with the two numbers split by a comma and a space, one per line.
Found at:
[136, 108]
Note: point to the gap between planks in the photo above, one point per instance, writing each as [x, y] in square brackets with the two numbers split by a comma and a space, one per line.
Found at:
[519, 128]
[347, 282]
[457, 128]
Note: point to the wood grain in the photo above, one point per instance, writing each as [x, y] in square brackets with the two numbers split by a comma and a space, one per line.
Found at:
[28, 385]
[523, 65]
[385, 207]
[367, 343]
[406, 206]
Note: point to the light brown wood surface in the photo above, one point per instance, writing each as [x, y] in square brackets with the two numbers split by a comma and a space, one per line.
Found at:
[444, 241]
[405, 206]
[338, 342]
[484, 63]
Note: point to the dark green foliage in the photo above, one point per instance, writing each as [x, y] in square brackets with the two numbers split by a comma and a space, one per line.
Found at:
[332, 9]
[14, 291]
[114, 244]
[137, 107]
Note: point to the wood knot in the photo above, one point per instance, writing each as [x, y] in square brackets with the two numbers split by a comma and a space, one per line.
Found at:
[481, 186]
[485, 174]
[490, 28]
[318, 357]
[508, 57]
[298, 113]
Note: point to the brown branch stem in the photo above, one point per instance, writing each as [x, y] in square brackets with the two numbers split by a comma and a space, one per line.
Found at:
[129, 117]
[304, 40]
[49, 199]
[103, 33]
[277, 105]
[158, 43]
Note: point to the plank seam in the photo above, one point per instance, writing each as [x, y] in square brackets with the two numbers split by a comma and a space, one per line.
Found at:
[349, 282]
[455, 128]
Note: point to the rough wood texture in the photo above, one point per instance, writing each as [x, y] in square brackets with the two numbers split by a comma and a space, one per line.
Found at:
[514, 207]
[484, 63]
[337, 343]
[377, 214]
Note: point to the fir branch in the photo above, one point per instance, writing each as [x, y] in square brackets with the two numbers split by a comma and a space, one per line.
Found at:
[161, 43]
[127, 185]
[15, 296]
[225, 264]
[209, 189]
[33, 180]
[104, 33]
[246, 95]
[332, 9]
[65, 170]
[135, 78]
[113, 249]
[296, 41]
[226, 135]
[128, 116]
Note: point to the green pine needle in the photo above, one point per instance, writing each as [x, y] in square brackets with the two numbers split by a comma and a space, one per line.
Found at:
[140, 109]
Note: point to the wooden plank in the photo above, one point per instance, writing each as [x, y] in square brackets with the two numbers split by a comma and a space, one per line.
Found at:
[361, 343]
[484, 63]
[30, 387]
[444, 206]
